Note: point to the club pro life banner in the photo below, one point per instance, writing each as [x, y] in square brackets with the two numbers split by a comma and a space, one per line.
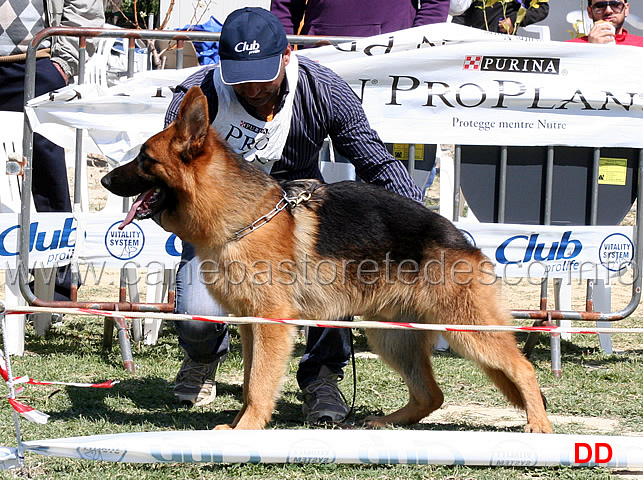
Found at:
[448, 84]
[96, 242]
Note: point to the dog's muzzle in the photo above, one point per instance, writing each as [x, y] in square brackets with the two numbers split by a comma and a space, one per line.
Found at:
[146, 205]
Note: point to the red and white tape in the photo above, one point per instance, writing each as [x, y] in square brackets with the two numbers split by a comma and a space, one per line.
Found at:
[32, 414]
[28, 412]
[314, 323]
[31, 381]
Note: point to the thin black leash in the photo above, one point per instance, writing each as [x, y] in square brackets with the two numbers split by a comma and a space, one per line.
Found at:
[351, 411]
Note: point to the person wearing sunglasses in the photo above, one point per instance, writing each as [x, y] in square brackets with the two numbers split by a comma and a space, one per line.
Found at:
[609, 17]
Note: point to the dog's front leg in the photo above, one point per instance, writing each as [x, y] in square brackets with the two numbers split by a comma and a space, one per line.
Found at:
[247, 336]
[266, 350]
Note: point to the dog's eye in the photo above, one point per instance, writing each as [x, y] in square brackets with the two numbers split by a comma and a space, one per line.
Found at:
[145, 159]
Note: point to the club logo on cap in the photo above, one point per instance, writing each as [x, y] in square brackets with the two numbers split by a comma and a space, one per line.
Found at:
[254, 47]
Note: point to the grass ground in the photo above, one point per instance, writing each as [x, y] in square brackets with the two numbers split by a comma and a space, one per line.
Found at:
[597, 394]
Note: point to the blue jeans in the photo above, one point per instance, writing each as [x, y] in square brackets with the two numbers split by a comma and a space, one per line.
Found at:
[205, 342]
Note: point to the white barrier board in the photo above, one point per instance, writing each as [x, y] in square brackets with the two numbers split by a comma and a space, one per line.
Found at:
[514, 250]
[54, 241]
[352, 446]
[445, 84]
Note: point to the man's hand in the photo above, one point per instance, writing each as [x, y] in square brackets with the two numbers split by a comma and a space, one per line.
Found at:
[505, 25]
[602, 32]
[62, 73]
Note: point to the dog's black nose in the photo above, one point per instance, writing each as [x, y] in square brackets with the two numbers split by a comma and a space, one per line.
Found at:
[106, 181]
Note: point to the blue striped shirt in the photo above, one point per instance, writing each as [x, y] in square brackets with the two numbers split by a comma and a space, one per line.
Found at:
[324, 106]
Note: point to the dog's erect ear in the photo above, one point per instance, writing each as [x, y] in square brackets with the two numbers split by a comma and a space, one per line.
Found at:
[192, 123]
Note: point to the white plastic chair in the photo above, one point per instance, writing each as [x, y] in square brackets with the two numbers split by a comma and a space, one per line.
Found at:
[542, 31]
[96, 68]
[97, 71]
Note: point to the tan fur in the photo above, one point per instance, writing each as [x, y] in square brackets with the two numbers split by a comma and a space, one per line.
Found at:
[217, 195]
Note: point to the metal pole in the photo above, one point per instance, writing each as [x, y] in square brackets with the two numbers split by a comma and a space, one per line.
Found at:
[12, 390]
[456, 182]
[27, 151]
[554, 340]
[179, 54]
[78, 170]
[82, 50]
[549, 184]
[596, 161]
[502, 187]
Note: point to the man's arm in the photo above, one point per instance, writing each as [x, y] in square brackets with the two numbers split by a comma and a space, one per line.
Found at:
[290, 13]
[432, 11]
[354, 139]
[75, 13]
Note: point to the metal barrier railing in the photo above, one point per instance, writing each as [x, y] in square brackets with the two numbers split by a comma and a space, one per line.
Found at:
[542, 315]
[83, 34]
[24, 236]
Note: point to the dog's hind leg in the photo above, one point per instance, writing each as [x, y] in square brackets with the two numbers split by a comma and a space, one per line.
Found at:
[497, 354]
[266, 350]
[409, 354]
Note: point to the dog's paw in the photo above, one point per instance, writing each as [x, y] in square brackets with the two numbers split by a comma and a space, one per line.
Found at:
[374, 422]
[223, 427]
[539, 427]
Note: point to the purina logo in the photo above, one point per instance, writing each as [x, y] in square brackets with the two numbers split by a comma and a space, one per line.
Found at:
[254, 47]
[545, 66]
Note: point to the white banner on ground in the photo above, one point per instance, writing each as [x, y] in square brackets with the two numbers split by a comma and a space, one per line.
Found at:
[371, 447]
[514, 250]
[9, 458]
[441, 83]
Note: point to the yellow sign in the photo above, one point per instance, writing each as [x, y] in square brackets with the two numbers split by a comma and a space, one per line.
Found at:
[612, 171]
[401, 152]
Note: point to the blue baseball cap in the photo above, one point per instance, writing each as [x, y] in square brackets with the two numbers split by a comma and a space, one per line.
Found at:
[252, 43]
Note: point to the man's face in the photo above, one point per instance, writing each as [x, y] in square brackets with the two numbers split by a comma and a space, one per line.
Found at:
[613, 12]
[259, 94]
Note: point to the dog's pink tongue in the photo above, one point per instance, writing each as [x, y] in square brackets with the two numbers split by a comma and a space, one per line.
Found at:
[132, 211]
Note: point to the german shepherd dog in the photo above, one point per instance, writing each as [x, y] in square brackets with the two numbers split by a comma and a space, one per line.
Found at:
[306, 250]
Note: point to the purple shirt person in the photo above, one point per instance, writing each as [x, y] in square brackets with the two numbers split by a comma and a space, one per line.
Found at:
[357, 18]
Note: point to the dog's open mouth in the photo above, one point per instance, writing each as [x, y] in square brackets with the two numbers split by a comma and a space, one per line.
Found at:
[146, 205]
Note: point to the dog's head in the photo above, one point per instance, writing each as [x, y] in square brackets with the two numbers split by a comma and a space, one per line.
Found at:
[164, 170]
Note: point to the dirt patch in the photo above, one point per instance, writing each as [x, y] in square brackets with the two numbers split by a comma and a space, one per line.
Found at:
[511, 418]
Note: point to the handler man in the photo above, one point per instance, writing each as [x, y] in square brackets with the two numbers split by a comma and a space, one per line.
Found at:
[275, 109]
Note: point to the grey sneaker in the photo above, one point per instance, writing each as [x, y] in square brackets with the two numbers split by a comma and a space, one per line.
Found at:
[323, 401]
[194, 384]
